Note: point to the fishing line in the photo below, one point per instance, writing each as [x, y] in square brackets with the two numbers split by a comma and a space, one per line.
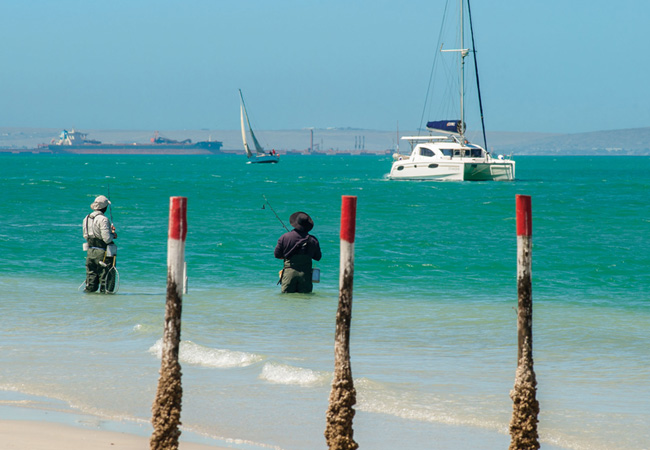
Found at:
[276, 214]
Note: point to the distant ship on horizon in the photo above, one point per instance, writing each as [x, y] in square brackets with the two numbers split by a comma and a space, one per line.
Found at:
[76, 142]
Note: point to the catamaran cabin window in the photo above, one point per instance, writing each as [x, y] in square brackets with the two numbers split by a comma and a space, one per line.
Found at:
[426, 152]
[447, 152]
[476, 153]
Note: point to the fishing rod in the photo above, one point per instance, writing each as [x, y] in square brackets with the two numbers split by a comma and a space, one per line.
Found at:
[116, 281]
[276, 214]
[110, 207]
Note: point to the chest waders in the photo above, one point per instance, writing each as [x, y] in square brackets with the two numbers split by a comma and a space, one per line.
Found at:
[296, 274]
[100, 267]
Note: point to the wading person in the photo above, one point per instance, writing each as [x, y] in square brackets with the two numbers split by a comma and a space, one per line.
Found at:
[297, 248]
[99, 233]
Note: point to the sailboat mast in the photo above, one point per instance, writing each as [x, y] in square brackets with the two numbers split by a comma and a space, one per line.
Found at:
[248, 122]
[242, 112]
[258, 148]
[243, 132]
[462, 73]
[478, 84]
[244, 109]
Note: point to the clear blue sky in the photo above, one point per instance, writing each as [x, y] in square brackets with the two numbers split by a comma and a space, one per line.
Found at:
[547, 66]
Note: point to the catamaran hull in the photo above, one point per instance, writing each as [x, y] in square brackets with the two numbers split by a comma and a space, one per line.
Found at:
[452, 171]
[493, 171]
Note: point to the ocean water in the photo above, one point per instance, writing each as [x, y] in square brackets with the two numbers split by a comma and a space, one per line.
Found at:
[433, 340]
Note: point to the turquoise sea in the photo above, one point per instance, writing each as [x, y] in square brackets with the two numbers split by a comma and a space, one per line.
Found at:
[433, 341]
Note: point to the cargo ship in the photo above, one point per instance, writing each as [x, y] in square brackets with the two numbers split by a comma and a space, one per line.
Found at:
[76, 142]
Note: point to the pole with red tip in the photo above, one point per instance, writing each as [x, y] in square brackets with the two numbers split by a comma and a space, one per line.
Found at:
[338, 432]
[524, 271]
[525, 408]
[167, 405]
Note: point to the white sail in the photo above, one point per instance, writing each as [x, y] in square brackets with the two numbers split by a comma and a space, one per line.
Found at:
[260, 156]
[243, 131]
[258, 148]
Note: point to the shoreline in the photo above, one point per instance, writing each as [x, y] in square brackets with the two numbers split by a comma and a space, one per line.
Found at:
[33, 422]
[609, 142]
[29, 422]
[39, 435]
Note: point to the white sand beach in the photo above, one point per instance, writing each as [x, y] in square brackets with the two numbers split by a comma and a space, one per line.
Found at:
[38, 435]
[39, 423]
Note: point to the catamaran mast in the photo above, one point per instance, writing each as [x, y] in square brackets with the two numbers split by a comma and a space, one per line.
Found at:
[478, 84]
[463, 52]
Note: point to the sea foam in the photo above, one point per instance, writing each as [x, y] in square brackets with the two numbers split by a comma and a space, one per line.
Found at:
[285, 374]
[192, 353]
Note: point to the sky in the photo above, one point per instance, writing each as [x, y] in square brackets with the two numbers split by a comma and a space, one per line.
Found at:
[550, 66]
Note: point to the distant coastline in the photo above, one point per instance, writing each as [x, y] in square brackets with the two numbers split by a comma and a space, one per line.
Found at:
[355, 141]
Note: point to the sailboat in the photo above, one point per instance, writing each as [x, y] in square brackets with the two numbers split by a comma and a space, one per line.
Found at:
[448, 154]
[259, 156]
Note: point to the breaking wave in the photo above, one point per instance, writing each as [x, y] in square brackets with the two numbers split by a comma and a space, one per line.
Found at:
[192, 353]
[285, 374]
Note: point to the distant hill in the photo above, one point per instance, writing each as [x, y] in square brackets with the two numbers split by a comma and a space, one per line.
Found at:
[634, 141]
[614, 142]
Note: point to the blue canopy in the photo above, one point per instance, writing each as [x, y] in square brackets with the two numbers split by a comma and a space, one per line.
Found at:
[453, 126]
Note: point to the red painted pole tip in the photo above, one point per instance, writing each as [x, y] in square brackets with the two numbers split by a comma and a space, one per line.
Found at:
[348, 217]
[524, 216]
[178, 218]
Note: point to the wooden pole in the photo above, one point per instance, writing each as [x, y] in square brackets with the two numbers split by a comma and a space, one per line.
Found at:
[524, 273]
[167, 405]
[523, 425]
[338, 432]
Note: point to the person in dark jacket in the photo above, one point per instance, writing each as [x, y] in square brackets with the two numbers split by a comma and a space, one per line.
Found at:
[297, 248]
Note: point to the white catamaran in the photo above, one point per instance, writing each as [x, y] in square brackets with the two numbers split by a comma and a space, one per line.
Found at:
[260, 156]
[449, 155]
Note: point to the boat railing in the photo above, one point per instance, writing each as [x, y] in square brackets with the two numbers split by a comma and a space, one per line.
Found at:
[443, 138]
[415, 140]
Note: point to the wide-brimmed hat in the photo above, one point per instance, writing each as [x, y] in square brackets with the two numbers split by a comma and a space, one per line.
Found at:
[301, 221]
[100, 203]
